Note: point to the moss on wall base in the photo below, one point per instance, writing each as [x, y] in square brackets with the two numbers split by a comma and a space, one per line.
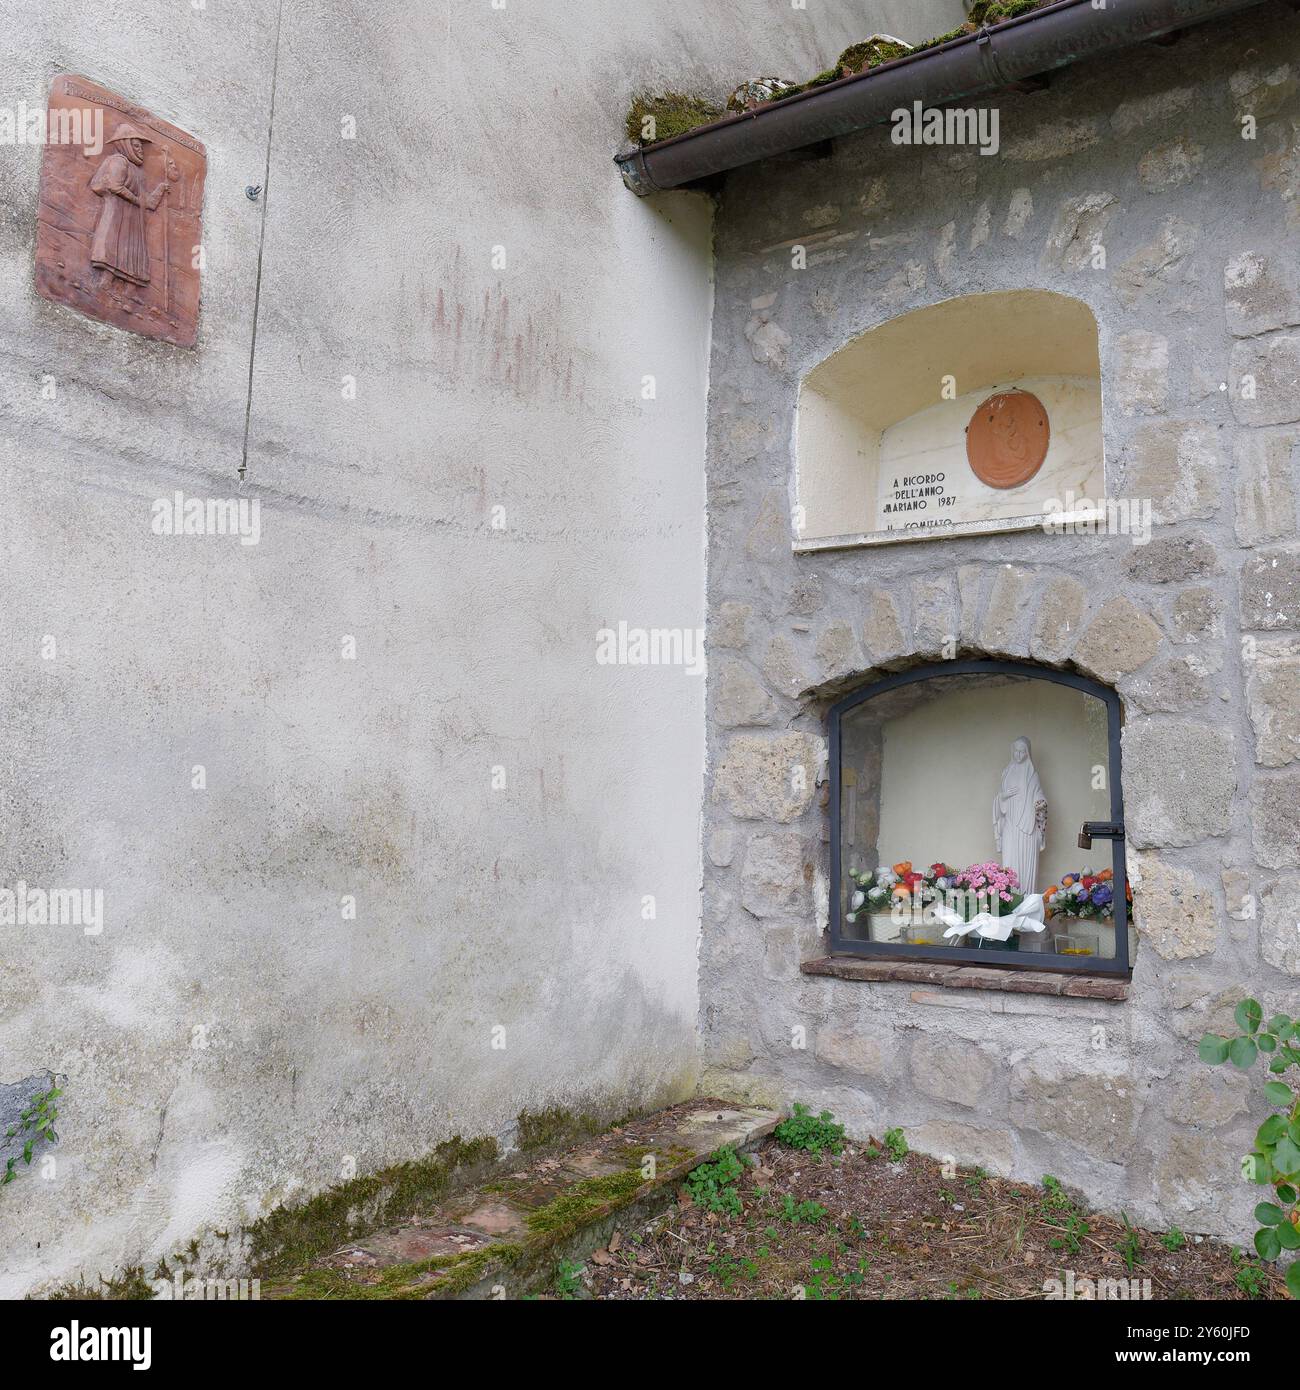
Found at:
[290, 1237]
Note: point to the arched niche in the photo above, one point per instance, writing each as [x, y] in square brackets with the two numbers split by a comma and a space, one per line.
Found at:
[881, 443]
[918, 769]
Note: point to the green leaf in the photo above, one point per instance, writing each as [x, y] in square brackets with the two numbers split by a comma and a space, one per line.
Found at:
[1277, 1023]
[1257, 1167]
[1289, 1236]
[1293, 1280]
[1286, 1193]
[1269, 1215]
[1271, 1131]
[1267, 1243]
[1266, 1041]
[1213, 1049]
[1278, 1093]
[1243, 1052]
[1286, 1158]
[1248, 1015]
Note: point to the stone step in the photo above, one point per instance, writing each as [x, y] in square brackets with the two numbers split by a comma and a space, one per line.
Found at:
[506, 1236]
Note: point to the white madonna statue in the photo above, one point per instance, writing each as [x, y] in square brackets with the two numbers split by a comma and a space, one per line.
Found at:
[1020, 817]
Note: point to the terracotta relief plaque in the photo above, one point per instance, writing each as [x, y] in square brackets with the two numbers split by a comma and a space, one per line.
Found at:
[120, 222]
[1007, 439]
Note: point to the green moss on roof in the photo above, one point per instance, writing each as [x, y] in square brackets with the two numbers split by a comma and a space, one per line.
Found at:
[858, 57]
[946, 38]
[652, 117]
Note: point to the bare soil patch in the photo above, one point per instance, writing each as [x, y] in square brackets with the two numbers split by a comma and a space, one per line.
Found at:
[862, 1226]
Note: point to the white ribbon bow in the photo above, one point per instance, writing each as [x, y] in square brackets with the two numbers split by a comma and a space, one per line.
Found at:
[1028, 917]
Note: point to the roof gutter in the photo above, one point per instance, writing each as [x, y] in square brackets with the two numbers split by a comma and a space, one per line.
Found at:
[974, 65]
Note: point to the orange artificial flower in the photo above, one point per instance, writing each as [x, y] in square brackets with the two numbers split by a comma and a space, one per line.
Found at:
[901, 890]
[904, 868]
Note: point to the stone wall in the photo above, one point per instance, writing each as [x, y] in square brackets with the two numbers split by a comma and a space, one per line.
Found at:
[1199, 630]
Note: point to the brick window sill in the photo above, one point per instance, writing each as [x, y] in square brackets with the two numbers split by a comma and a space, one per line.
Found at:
[1114, 988]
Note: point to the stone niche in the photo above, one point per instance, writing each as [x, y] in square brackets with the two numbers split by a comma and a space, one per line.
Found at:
[921, 767]
[892, 443]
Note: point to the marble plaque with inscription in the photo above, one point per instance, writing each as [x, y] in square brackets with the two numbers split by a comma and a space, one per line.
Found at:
[119, 231]
[931, 478]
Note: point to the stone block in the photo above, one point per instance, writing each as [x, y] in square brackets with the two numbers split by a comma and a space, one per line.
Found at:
[934, 616]
[1177, 465]
[1264, 487]
[730, 626]
[1119, 639]
[1275, 820]
[1179, 781]
[768, 778]
[1273, 699]
[1174, 912]
[948, 1068]
[1169, 686]
[1261, 292]
[882, 628]
[769, 539]
[1005, 612]
[1059, 619]
[850, 1049]
[777, 875]
[1204, 1099]
[1170, 165]
[1095, 1111]
[1172, 560]
[784, 669]
[1077, 231]
[1270, 589]
[739, 699]
[990, 1149]
[838, 652]
[1140, 372]
[1266, 380]
[1197, 614]
[1279, 925]
[970, 590]
[1159, 263]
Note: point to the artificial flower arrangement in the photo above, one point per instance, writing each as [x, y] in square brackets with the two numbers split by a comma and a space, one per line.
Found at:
[1084, 894]
[878, 889]
[991, 888]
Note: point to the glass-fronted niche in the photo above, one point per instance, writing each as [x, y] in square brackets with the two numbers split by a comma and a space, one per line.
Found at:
[978, 816]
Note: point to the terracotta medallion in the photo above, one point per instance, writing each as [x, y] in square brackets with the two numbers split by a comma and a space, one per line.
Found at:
[1007, 439]
[119, 229]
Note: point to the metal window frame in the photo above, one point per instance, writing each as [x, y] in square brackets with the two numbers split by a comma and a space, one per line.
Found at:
[998, 960]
